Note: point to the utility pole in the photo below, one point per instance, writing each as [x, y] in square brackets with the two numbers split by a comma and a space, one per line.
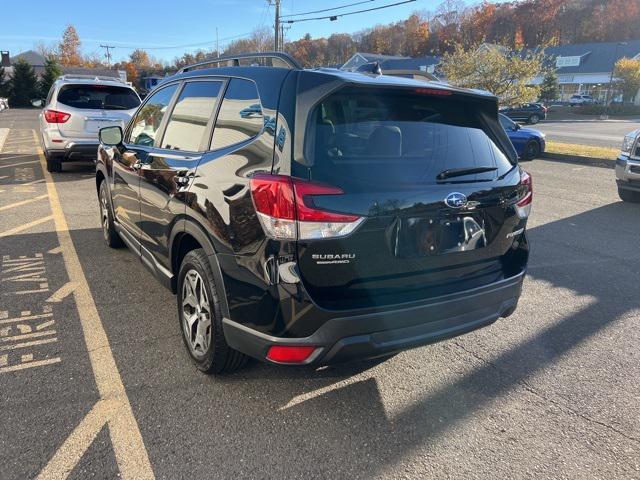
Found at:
[217, 45]
[277, 25]
[108, 54]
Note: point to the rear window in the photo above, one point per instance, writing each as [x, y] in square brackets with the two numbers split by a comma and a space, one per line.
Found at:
[391, 138]
[98, 97]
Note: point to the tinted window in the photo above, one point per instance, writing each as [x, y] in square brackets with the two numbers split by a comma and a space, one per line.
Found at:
[375, 138]
[147, 121]
[240, 116]
[190, 117]
[506, 123]
[98, 97]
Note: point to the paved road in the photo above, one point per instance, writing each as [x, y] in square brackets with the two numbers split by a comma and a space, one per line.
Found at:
[595, 132]
[551, 392]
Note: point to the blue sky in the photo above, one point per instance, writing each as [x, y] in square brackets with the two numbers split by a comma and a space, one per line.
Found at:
[165, 27]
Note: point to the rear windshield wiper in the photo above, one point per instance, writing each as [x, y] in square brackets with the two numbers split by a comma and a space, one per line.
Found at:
[459, 172]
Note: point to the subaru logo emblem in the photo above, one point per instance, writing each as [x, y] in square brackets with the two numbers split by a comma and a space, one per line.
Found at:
[456, 200]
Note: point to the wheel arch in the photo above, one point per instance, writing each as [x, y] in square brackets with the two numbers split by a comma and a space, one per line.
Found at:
[186, 236]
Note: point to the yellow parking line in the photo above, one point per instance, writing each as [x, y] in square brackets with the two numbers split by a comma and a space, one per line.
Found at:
[60, 294]
[113, 408]
[18, 164]
[22, 366]
[4, 348]
[23, 202]
[26, 226]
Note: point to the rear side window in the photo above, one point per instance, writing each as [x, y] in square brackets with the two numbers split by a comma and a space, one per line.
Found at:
[191, 116]
[240, 116]
[382, 138]
[98, 97]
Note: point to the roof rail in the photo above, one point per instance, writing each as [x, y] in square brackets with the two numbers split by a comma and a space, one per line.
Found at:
[80, 76]
[234, 60]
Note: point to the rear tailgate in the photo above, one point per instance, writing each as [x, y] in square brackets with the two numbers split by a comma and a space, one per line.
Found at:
[93, 107]
[425, 232]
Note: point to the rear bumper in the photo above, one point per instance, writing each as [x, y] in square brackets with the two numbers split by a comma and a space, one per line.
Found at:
[365, 336]
[76, 150]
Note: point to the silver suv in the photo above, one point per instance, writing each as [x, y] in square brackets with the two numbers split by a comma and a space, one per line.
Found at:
[628, 168]
[76, 108]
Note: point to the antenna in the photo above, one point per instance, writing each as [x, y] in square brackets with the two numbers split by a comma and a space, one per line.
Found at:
[108, 54]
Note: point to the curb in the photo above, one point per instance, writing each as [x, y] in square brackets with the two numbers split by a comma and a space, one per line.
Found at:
[591, 161]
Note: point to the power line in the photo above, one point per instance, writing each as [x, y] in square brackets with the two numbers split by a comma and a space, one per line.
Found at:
[327, 9]
[335, 17]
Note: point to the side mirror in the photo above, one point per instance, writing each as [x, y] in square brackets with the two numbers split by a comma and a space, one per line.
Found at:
[110, 136]
[516, 127]
[37, 103]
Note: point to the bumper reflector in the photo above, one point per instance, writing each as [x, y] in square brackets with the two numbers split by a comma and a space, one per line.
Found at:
[290, 353]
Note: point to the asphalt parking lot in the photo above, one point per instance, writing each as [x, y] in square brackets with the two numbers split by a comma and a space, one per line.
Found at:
[586, 131]
[95, 381]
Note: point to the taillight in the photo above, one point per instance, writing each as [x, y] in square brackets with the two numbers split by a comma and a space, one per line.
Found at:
[290, 353]
[287, 212]
[434, 91]
[53, 116]
[524, 204]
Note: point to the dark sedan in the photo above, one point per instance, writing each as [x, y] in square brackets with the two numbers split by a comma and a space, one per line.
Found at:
[527, 112]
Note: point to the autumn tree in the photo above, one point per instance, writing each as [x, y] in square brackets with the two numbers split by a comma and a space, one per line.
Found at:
[260, 40]
[23, 85]
[627, 73]
[550, 88]
[69, 48]
[51, 72]
[140, 58]
[499, 70]
[132, 72]
[416, 34]
[340, 47]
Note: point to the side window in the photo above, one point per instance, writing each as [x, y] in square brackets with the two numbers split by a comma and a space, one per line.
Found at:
[190, 117]
[50, 95]
[240, 116]
[147, 121]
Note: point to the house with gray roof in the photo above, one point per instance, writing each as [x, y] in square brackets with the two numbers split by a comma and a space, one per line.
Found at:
[37, 61]
[586, 67]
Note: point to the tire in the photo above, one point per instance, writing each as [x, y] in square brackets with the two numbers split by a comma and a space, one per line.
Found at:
[198, 298]
[531, 150]
[533, 119]
[109, 233]
[54, 165]
[629, 195]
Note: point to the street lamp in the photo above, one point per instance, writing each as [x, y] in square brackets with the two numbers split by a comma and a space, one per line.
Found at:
[613, 67]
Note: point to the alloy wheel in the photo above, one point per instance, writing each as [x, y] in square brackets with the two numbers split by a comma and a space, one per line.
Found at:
[104, 213]
[196, 313]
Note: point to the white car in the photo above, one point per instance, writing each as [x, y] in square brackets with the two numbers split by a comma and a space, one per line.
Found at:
[581, 100]
[75, 110]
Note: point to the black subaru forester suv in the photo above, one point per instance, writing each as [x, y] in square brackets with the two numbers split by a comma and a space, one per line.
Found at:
[312, 216]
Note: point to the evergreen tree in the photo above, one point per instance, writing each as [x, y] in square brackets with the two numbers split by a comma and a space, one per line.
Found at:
[550, 88]
[23, 85]
[51, 72]
[4, 87]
